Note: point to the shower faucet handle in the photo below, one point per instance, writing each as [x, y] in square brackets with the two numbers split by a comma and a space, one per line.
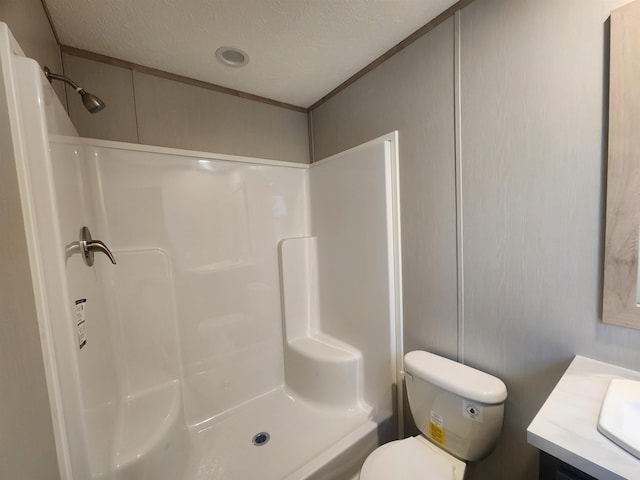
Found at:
[87, 247]
[98, 246]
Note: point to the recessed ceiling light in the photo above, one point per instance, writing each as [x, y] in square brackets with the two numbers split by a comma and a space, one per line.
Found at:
[232, 56]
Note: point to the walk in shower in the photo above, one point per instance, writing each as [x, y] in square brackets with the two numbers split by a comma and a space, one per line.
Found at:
[249, 327]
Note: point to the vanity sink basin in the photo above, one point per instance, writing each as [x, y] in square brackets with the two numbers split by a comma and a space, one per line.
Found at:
[619, 417]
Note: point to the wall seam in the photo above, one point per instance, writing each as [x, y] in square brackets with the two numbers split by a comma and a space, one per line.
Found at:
[426, 28]
[457, 118]
[64, 90]
[135, 105]
[47, 13]
[45, 7]
[66, 97]
[310, 134]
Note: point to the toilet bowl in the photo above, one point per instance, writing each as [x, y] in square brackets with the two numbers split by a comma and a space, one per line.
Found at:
[459, 412]
[413, 457]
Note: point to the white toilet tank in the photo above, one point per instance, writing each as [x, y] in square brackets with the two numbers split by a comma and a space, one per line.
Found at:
[457, 407]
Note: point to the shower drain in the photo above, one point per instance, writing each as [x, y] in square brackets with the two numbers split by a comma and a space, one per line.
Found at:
[261, 438]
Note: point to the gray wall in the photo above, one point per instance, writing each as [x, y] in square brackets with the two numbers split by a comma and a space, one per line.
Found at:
[412, 92]
[152, 110]
[27, 448]
[533, 157]
[28, 22]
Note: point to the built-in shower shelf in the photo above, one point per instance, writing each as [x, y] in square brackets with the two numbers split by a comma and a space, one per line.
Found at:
[323, 348]
[221, 267]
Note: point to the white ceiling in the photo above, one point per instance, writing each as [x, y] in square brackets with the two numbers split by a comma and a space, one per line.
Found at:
[299, 50]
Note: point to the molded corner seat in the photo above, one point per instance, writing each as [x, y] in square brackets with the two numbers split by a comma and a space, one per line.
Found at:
[324, 369]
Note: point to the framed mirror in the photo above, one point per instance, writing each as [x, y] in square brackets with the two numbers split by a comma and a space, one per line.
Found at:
[621, 288]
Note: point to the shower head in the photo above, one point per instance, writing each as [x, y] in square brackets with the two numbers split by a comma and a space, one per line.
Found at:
[90, 101]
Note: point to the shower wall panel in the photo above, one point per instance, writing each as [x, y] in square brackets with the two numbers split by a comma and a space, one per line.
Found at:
[219, 224]
[353, 215]
[81, 377]
[91, 353]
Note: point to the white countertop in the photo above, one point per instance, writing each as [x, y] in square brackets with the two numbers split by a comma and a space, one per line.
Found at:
[566, 425]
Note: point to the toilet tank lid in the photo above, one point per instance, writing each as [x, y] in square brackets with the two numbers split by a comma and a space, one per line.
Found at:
[462, 380]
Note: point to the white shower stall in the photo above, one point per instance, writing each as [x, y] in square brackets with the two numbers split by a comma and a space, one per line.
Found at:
[251, 323]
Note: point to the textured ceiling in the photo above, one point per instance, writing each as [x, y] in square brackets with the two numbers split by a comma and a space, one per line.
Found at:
[299, 50]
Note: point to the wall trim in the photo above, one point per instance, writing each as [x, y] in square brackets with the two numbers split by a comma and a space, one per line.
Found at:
[393, 50]
[78, 52]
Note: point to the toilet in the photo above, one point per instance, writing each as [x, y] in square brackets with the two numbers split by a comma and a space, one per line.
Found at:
[459, 411]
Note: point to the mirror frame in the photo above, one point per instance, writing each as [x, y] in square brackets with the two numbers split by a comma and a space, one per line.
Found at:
[620, 285]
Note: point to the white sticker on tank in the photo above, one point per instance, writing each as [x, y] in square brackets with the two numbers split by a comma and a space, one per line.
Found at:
[437, 419]
[472, 411]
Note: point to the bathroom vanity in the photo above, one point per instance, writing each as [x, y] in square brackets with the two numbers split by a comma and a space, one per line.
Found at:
[565, 428]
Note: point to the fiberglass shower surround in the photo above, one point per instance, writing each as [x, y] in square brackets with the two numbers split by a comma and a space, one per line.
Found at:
[252, 301]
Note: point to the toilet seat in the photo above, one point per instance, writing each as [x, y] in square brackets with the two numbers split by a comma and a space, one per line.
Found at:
[409, 459]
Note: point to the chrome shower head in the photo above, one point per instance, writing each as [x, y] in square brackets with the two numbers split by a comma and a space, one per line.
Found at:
[90, 101]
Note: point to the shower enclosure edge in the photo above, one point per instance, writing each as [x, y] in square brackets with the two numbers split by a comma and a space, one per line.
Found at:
[391, 141]
[29, 137]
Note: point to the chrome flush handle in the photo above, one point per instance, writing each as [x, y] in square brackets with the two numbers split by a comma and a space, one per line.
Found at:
[87, 246]
[406, 375]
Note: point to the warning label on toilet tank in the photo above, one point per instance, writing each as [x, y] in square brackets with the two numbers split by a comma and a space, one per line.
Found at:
[436, 428]
[80, 322]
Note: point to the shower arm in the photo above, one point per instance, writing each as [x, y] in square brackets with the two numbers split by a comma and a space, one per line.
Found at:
[54, 76]
[89, 100]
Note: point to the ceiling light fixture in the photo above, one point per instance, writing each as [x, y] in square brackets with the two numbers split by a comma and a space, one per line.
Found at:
[232, 56]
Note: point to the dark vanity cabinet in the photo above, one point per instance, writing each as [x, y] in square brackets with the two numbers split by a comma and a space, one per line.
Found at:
[553, 469]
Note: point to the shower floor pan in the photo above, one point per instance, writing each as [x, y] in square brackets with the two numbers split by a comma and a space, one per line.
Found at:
[305, 441]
